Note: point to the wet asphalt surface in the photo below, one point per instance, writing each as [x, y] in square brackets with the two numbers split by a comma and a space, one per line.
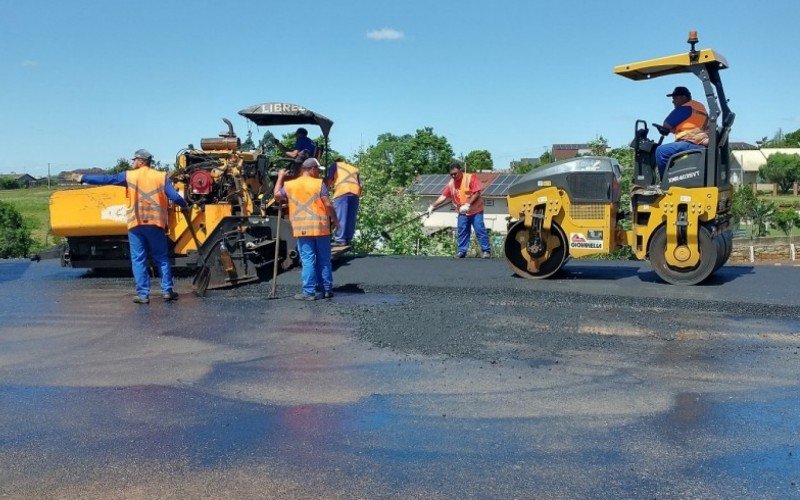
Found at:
[434, 378]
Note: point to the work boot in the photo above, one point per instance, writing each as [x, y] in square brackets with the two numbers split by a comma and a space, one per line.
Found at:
[486, 255]
[302, 296]
[170, 296]
[141, 300]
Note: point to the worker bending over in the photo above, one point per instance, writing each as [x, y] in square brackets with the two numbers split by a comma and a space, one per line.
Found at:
[311, 215]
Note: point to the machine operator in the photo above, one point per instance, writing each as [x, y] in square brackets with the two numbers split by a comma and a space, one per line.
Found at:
[688, 121]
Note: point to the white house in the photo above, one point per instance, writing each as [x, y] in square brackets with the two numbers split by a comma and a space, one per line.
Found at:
[495, 187]
[746, 159]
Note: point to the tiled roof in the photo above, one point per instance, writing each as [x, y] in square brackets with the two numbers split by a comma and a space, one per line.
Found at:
[742, 146]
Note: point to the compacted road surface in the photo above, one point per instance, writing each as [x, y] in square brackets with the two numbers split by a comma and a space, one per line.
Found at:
[423, 377]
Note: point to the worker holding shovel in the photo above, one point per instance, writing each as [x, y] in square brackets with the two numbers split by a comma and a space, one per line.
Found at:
[465, 192]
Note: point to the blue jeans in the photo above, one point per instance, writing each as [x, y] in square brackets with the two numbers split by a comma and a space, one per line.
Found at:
[665, 151]
[346, 207]
[149, 241]
[465, 223]
[315, 257]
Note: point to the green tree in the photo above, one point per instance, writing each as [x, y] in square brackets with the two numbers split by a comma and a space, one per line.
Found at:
[546, 158]
[122, 165]
[598, 147]
[782, 169]
[9, 183]
[479, 159]
[786, 220]
[248, 144]
[387, 168]
[761, 214]
[403, 157]
[743, 204]
[15, 236]
[624, 156]
[792, 139]
[523, 166]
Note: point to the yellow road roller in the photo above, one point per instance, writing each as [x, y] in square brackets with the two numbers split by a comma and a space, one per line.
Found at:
[679, 221]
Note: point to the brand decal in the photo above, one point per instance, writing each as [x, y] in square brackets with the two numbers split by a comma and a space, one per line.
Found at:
[683, 177]
[114, 212]
[280, 107]
[593, 239]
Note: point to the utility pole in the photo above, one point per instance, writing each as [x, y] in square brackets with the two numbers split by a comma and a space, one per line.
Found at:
[48, 175]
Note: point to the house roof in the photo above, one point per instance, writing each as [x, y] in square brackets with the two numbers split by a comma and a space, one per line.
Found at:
[16, 176]
[570, 146]
[495, 185]
[742, 146]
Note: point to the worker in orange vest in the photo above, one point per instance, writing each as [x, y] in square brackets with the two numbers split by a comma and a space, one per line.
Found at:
[688, 121]
[345, 180]
[465, 191]
[312, 215]
[147, 191]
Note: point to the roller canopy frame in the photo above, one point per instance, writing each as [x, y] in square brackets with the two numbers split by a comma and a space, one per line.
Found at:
[671, 65]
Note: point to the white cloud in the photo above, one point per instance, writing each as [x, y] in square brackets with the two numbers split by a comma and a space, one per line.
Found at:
[28, 63]
[386, 34]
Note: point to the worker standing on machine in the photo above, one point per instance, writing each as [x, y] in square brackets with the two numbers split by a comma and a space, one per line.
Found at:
[147, 192]
[465, 191]
[311, 214]
[688, 121]
[345, 180]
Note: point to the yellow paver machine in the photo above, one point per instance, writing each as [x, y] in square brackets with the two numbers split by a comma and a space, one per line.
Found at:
[679, 222]
[233, 233]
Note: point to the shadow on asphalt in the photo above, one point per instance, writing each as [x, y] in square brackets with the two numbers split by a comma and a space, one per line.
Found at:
[720, 277]
[349, 288]
[595, 272]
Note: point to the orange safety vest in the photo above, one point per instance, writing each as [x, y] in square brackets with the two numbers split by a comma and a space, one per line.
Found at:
[307, 212]
[346, 180]
[695, 128]
[463, 193]
[147, 202]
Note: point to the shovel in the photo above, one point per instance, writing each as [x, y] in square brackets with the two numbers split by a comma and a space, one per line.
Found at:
[385, 233]
[273, 294]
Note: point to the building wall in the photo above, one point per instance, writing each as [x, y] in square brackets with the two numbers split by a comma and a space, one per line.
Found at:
[747, 162]
[494, 214]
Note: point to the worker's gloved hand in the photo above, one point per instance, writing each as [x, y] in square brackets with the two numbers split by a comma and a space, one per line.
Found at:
[661, 129]
[75, 177]
[430, 210]
[463, 208]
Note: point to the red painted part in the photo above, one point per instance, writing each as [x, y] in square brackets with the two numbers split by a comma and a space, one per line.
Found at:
[201, 182]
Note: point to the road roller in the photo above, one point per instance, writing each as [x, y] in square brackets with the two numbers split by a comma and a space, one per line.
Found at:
[678, 221]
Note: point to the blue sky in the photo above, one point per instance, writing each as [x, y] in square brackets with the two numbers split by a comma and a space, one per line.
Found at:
[86, 82]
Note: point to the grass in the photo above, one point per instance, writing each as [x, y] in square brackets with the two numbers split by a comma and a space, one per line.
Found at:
[34, 206]
[782, 200]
